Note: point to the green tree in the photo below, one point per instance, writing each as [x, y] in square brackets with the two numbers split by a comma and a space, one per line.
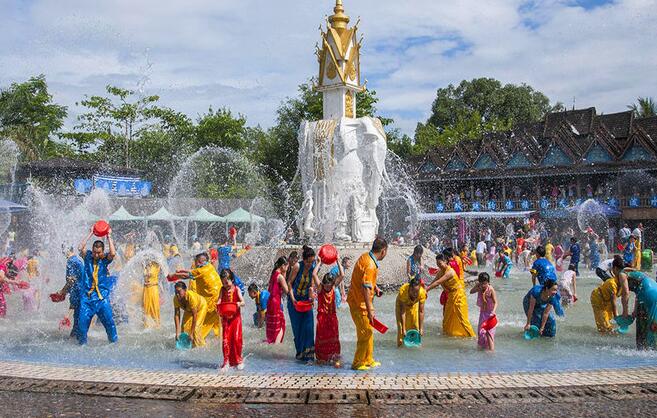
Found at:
[114, 122]
[645, 107]
[29, 117]
[493, 102]
[221, 129]
[400, 144]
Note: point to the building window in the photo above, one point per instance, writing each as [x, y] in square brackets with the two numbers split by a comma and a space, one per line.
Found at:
[456, 164]
[428, 167]
[597, 154]
[556, 157]
[519, 160]
[484, 162]
[638, 153]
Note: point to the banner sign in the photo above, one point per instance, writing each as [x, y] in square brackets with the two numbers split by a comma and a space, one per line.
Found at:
[122, 186]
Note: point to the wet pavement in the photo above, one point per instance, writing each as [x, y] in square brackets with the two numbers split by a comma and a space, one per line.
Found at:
[26, 404]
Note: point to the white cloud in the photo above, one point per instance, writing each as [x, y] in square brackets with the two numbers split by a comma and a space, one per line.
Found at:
[249, 55]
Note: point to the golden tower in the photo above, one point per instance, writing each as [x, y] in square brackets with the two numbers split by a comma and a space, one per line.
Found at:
[339, 65]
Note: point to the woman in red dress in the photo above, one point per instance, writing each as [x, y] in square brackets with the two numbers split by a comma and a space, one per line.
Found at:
[275, 317]
[231, 325]
[327, 335]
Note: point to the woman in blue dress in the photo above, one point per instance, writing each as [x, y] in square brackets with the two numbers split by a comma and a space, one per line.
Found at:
[300, 283]
[539, 303]
[414, 265]
[645, 309]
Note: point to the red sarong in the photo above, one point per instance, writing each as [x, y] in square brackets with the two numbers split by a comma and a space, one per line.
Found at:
[327, 335]
[232, 332]
[274, 317]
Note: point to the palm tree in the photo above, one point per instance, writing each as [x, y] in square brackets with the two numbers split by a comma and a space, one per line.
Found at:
[644, 108]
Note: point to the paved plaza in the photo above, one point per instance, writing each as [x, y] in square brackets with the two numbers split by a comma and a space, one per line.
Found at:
[38, 390]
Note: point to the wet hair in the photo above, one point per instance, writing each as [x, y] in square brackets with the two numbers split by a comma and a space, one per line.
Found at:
[227, 274]
[278, 264]
[345, 259]
[307, 252]
[483, 278]
[180, 285]
[328, 279]
[293, 254]
[441, 257]
[618, 262]
[98, 244]
[572, 267]
[418, 251]
[379, 245]
[448, 252]
[540, 251]
[573, 239]
[253, 288]
[549, 284]
[414, 282]
[203, 254]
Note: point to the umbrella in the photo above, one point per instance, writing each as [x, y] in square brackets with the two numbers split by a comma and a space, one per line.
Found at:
[241, 216]
[123, 215]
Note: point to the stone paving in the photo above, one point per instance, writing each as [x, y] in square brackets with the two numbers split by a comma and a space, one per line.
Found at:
[342, 381]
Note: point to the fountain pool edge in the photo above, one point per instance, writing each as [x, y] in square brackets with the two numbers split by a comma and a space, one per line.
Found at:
[328, 381]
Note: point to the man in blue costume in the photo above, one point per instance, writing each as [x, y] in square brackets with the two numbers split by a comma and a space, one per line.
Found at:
[574, 254]
[645, 309]
[542, 269]
[95, 288]
[226, 254]
[74, 269]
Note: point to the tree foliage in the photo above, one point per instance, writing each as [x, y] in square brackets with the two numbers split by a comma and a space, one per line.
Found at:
[645, 107]
[29, 117]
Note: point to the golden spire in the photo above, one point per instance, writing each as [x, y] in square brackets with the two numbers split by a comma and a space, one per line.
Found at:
[339, 20]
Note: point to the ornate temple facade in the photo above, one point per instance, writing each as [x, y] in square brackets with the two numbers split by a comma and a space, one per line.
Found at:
[549, 166]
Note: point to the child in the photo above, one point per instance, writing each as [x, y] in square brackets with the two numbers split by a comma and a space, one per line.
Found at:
[568, 286]
[260, 298]
[487, 302]
[505, 264]
[327, 336]
[232, 326]
[338, 272]
[414, 265]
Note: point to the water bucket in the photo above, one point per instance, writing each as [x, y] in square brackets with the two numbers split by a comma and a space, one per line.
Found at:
[184, 342]
[56, 297]
[412, 338]
[490, 323]
[377, 325]
[623, 323]
[646, 260]
[227, 309]
[443, 297]
[433, 271]
[303, 306]
[498, 274]
[532, 333]
[101, 228]
[328, 254]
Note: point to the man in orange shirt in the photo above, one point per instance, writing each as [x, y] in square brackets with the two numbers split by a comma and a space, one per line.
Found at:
[360, 299]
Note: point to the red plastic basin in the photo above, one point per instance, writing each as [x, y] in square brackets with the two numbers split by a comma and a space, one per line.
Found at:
[303, 306]
[101, 228]
[490, 323]
[227, 309]
[328, 254]
[377, 325]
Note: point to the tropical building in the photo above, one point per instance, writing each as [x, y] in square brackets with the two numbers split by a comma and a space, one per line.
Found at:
[548, 167]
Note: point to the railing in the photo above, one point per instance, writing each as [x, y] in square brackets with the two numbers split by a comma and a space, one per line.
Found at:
[541, 204]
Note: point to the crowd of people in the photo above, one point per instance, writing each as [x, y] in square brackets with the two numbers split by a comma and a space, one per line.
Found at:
[208, 296]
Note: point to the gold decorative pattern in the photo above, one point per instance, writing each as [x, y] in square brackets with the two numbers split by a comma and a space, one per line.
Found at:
[323, 137]
[331, 70]
[349, 104]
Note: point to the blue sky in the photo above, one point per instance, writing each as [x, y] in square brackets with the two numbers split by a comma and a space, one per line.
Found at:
[250, 55]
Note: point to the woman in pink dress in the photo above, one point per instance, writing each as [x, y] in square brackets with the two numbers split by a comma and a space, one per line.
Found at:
[487, 302]
[275, 317]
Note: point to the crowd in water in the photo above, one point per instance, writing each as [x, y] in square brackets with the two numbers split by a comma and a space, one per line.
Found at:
[208, 295]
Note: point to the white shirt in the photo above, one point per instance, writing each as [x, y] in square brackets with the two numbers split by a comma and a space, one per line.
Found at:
[624, 232]
[481, 247]
[637, 233]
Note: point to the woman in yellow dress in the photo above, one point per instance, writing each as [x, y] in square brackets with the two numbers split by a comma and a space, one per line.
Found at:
[409, 309]
[151, 295]
[603, 298]
[455, 312]
[194, 310]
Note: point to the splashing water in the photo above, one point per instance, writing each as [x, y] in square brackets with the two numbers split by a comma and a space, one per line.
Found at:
[398, 206]
[591, 215]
